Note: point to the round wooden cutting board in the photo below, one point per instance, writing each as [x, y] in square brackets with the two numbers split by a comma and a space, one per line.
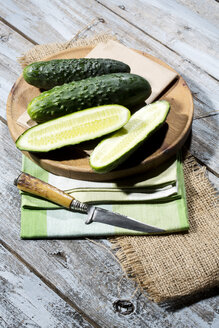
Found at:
[73, 162]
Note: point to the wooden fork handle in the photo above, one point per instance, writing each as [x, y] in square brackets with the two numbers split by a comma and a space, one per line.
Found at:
[32, 185]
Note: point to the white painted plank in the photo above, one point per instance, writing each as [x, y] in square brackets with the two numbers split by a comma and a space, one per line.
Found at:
[144, 16]
[86, 12]
[177, 26]
[205, 138]
[202, 85]
[86, 273]
[12, 45]
[66, 263]
[27, 302]
[205, 135]
[180, 27]
[214, 181]
[208, 9]
[46, 21]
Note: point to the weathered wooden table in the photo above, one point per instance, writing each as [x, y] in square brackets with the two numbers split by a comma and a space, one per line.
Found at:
[74, 283]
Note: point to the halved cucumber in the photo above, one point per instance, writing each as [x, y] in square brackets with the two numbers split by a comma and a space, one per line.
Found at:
[74, 128]
[112, 151]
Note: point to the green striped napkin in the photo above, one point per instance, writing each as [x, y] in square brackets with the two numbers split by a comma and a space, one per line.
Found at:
[156, 198]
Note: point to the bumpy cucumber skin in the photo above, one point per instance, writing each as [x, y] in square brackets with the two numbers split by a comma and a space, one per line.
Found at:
[120, 88]
[123, 158]
[48, 74]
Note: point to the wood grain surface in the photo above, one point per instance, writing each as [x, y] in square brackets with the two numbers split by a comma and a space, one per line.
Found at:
[156, 150]
[27, 301]
[82, 278]
[86, 274]
[94, 17]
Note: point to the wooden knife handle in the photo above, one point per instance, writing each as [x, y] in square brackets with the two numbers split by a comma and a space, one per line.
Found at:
[32, 185]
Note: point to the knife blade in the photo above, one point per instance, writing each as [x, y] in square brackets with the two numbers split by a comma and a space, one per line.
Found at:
[35, 186]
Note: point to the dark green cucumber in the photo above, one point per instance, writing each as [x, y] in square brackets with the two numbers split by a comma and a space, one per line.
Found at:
[120, 88]
[48, 74]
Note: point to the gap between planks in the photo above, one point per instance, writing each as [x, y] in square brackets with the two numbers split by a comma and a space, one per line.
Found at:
[150, 36]
[18, 31]
[135, 26]
[50, 285]
[109, 9]
[132, 24]
[3, 120]
[207, 167]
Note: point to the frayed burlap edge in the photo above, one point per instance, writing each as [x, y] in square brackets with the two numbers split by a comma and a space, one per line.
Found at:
[129, 248]
[156, 284]
[39, 52]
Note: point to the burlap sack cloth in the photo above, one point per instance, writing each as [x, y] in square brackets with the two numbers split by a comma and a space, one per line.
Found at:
[176, 265]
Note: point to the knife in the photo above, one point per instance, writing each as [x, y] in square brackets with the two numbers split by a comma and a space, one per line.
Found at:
[35, 186]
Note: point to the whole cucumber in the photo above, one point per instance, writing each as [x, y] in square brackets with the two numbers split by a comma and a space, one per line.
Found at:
[120, 88]
[48, 74]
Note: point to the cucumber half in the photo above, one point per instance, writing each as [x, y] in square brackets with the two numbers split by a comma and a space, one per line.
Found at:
[74, 128]
[112, 151]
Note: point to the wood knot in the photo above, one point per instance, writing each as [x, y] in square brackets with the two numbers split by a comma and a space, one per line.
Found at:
[101, 20]
[123, 307]
[122, 7]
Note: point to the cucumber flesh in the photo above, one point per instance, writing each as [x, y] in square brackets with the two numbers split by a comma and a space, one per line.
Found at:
[112, 151]
[74, 128]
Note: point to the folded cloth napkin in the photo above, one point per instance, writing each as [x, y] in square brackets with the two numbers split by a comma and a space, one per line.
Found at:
[156, 198]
